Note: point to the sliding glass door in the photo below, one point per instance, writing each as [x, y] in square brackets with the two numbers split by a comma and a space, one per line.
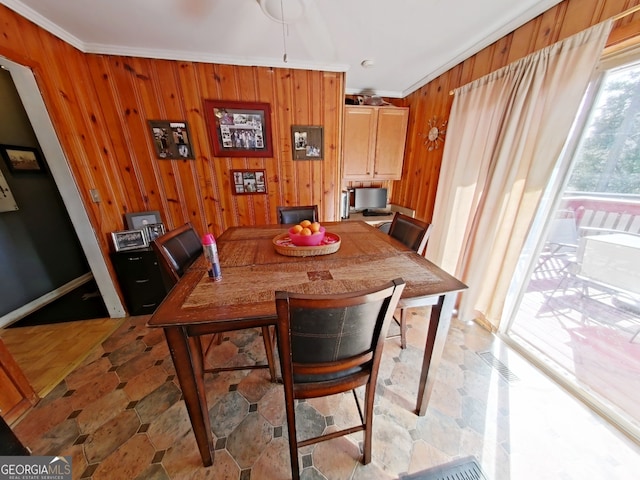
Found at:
[576, 305]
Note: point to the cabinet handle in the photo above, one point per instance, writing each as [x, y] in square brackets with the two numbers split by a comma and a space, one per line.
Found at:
[143, 281]
[134, 259]
[147, 305]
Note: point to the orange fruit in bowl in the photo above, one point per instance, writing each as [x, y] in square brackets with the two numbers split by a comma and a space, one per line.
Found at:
[314, 227]
[305, 231]
[295, 229]
[305, 223]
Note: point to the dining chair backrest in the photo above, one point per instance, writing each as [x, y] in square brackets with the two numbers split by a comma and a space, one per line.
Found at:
[330, 344]
[412, 232]
[295, 215]
[176, 251]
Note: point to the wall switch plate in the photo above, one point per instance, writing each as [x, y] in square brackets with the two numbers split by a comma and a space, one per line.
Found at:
[95, 195]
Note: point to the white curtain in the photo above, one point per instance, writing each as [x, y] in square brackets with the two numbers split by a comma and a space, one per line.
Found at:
[505, 134]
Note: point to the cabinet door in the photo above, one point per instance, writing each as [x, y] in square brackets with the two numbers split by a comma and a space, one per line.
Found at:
[391, 134]
[359, 142]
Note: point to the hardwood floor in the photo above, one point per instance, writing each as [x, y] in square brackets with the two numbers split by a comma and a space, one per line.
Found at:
[48, 353]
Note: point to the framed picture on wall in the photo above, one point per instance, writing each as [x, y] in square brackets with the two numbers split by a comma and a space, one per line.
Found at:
[153, 231]
[171, 140]
[248, 182]
[307, 142]
[239, 129]
[139, 220]
[22, 159]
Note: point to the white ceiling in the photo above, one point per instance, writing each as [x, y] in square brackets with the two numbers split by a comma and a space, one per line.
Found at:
[409, 41]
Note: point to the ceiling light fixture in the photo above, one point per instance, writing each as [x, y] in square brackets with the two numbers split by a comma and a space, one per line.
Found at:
[274, 10]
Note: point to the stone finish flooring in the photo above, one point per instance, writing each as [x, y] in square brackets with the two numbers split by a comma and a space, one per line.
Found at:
[120, 416]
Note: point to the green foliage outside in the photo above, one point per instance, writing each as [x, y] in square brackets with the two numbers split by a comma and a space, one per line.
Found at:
[608, 157]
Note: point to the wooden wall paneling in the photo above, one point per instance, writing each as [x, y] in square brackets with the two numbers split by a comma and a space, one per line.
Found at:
[575, 19]
[126, 97]
[262, 79]
[100, 142]
[522, 41]
[192, 98]
[309, 189]
[185, 207]
[332, 118]
[314, 103]
[549, 22]
[414, 154]
[64, 91]
[119, 191]
[207, 89]
[246, 88]
[288, 183]
[224, 76]
[148, 102]
[16, 31]
[265, 205]
[501, 52]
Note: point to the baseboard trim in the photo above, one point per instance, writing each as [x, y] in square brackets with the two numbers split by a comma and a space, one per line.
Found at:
[45, 299]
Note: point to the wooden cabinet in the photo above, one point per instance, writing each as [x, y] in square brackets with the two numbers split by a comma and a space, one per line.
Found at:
[16, 395]
[140, 279]
[373, 143]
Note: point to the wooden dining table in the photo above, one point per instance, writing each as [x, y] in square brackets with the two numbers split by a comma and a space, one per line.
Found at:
[252, 271]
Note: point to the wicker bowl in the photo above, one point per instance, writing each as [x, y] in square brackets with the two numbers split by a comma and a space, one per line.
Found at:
[284, 246]
[307, 240]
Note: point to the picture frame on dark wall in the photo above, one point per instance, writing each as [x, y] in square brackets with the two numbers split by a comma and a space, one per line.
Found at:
[249, 182]
[22, 159]
[239, 129]
[171, 139]
[307, 142]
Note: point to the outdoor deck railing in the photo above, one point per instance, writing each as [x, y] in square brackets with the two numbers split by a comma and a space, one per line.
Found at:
[620, 213]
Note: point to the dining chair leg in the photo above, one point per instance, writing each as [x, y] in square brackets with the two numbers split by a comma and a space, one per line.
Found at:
[268, 347]
[403, 328]
[368, 430]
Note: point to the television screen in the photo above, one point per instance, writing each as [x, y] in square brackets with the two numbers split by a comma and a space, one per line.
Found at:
[370, 198]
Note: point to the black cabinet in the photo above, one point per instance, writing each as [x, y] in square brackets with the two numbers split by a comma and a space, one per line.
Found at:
[140, 279]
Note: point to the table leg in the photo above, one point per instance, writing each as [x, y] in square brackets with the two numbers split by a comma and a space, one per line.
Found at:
[439, 324]
[186, 353]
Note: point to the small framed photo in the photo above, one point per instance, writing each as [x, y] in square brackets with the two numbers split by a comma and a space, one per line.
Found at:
[22, 159]
[171, 140]
[307, 142]
[139, 220]
[248, 182]
[129, 240]
[239, 129]
[153, 231]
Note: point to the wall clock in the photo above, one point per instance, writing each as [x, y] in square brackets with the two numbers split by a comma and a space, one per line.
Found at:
[435, 135]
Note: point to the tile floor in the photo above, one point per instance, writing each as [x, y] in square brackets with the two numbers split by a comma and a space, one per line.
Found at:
[120, 416]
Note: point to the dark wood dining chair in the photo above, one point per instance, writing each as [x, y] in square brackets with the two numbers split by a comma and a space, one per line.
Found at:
[297, 214]
[330, 344]
[176, 251]
[414, 234]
